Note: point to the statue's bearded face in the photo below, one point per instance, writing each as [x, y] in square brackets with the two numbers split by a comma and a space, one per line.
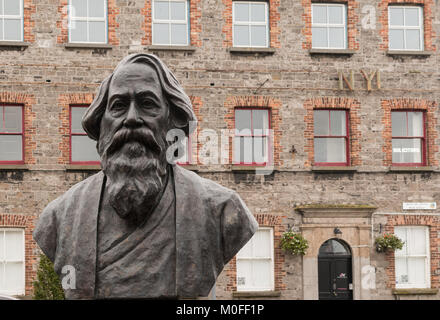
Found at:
[132, 140]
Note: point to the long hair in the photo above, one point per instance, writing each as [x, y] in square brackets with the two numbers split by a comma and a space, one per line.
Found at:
[181, 110]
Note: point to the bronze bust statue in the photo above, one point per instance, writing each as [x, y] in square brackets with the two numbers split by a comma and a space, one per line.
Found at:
[142, 227]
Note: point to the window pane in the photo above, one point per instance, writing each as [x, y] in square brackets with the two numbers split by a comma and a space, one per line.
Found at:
[14, 279]
[402, 276]
[417, 246]
[417, 272]
[96, 8]
[337, 123]
[237, 145]
[262, 243]
[161, 33]
[330, 150]
[1, 12]
[258, 12]
[12, 7]
[13, 29]
[2, 253]
[77, 114]
[260, 121]
[1, 30]
[401, 233]
[13, 119]
[79, 8]
[407, 151]
[241, 12]
[241, 35]
[97, 31]
[244, 274]
[246, 251]
[14, 246]
[396, 39]
[319, 37]
[242, 120]
[412, 17]
[336, 14]
[413, 40]
[179, 34]
[398, 124]
[258, 36]
[319, 14]
[261, 274]
[336, 37]
[259, 150]
[321, 122]
[396, 16]
[161, 10]
[178, 10]
[84, 149]
[415, 124]
[10, 148]
[246, 155]
[78, 32]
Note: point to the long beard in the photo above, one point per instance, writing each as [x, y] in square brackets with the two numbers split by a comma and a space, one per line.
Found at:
[135, 166]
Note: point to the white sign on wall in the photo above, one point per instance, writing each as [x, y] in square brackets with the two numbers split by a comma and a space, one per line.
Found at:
[419, 205]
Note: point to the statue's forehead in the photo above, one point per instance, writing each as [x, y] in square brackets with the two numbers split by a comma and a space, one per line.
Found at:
[136, 76]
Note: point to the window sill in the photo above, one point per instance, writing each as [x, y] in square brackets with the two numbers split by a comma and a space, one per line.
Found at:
[332, 51]
[14, 167]
[20, 44]
[334, 169]
[251, 50]
[88, 46]
[255, 294]
[172, 48]
[408, 53]
[415, 291]
[410, 169]
[236, 167]
[83, 167]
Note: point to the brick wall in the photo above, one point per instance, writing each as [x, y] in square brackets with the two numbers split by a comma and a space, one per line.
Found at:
[28, 22]
[274, 29]
[429, 33]
[30, 247]
[352, 22]
[430, 109]
[433, 222]
[353, 108]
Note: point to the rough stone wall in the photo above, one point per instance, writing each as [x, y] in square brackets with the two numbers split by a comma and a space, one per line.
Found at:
[46, 70]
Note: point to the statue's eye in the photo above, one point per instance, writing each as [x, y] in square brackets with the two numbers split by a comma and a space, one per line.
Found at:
[148, 104]
[118, 106]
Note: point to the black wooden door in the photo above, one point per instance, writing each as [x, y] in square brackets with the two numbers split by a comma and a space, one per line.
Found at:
[335, 277]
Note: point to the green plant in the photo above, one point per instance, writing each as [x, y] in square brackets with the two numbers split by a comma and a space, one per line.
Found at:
[294, 243]
[48, 284]
[388, 242]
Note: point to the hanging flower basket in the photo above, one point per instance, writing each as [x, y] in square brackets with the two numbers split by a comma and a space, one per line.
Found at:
[388, 242]
[294, 243]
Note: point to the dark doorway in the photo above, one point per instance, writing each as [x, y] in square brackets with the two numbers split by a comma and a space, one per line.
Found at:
[335, 271]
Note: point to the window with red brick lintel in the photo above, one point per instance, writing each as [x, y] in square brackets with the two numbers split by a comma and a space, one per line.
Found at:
[332, 132]
[330, 24]
[251, 24]
[172, 23]
[407, 25]
[409, 132]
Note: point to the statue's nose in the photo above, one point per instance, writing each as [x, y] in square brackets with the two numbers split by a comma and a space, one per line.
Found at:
[132, 120]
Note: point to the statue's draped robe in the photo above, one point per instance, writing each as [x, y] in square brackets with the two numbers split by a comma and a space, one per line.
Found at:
[143, 255]
[211, 225]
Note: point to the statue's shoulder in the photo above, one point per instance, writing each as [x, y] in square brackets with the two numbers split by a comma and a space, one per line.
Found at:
[205, 188]
[77, 192]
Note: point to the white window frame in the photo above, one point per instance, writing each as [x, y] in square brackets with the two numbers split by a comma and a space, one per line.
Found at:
[170, 22]
[4, 17]
[426, 256]
[272, 264]
[404, 28]
[328, 25]
[251, 23]
[88, 20]
[23, 261]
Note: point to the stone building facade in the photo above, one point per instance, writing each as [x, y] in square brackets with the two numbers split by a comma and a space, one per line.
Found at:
[356, 202]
